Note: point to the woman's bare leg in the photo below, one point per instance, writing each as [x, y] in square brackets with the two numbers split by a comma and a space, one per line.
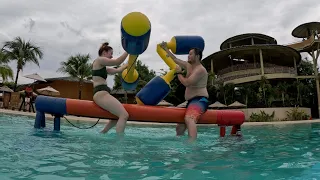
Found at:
[109, 125]
[111, 104]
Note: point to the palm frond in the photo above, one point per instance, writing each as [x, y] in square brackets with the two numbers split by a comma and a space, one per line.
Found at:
[6, 72]
[77, 66]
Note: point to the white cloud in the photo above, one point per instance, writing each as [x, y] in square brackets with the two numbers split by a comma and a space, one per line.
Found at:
[64, 28]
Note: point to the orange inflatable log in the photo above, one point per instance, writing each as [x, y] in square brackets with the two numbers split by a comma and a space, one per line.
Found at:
[142, 113]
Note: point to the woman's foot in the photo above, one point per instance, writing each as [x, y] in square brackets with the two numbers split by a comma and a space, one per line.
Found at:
[110, 124]
[103, 131]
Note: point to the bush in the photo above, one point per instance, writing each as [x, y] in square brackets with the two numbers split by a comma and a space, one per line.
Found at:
[261, 117]
[296, 114]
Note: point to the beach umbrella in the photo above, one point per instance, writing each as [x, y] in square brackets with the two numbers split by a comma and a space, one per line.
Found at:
[237, 104]
[217, 104]
[35, 76]
[182, 105]
[164, 103]
[48, 91]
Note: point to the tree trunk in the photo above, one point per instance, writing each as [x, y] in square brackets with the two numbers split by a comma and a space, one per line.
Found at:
[16, 81]
[264, 96]
[80, 88]
[282, 94]
[247, 99]
[298, 93]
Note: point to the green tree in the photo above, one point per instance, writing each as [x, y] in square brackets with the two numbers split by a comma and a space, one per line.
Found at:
[248, 93]
[229, 93]
[305, 68]
[282, 87]
[77, 66]
[307, 90]
[265, 90]
[221, 92]
[145, 75]
[23, 52]
[5, 70]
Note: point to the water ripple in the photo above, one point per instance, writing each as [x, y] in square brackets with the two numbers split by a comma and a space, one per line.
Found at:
[264, 152]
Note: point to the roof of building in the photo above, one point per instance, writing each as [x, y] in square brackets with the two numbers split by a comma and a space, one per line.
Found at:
[302, 31]
[275, 54]
[245, 39]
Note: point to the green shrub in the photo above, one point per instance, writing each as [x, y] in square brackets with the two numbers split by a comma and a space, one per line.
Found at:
[261, 117]
[296, 114]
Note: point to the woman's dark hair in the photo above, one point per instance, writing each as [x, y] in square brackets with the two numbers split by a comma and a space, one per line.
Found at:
[198, 52]
[104, 47]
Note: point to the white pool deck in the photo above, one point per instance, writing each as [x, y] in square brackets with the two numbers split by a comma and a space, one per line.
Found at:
[93, 120]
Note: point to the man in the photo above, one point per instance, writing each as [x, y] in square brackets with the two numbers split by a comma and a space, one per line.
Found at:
[196, 93]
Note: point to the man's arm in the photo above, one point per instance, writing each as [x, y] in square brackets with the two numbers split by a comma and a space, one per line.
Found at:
[112, 71]
[112, 62]
[192, 79]
[180, 62]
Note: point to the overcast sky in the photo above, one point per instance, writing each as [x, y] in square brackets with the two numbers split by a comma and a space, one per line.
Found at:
[66, 27]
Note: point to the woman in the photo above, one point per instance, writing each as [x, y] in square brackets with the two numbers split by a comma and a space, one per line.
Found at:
[101, 92]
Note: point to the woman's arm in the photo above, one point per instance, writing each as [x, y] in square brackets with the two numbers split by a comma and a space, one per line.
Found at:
[112, 62]
[116, 70]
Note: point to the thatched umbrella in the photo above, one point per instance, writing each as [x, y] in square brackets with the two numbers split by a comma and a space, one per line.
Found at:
[5, 89]
[48, 91]
[164, 103]
[183, 105]
[237, 104]
[217, 104]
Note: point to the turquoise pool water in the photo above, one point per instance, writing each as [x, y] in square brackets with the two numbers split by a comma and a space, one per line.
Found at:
[151, 153]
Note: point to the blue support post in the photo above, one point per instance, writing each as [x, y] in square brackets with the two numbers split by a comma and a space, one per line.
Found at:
[40, 120]
[56, 125]
[49, 105]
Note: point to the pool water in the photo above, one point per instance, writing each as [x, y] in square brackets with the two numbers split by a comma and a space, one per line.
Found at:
[151, 153]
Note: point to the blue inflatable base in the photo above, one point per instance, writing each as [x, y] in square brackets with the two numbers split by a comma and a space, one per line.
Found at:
[154, 92]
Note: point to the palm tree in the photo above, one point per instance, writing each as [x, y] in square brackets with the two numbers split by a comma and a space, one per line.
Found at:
[301, 88]
[229, 92]
[264, 87]
[77, 66]
[22, 52]
[247, 90]
[5, 70]
[221, 92]
[211, 78]
[283, 87]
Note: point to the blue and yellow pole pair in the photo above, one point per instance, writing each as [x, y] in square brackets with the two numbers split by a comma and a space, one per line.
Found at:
[135, 35]
[159, 87]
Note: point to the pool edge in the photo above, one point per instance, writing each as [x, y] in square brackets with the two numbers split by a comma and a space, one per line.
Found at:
[84, 119]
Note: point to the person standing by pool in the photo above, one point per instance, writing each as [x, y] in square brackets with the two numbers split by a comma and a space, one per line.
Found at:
[101, 92]
[196, 93]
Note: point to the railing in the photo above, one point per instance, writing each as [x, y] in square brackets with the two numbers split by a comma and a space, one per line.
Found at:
[240, 67]
[248, 70]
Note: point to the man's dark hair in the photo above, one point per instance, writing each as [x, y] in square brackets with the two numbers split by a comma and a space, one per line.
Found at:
[198, 52]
